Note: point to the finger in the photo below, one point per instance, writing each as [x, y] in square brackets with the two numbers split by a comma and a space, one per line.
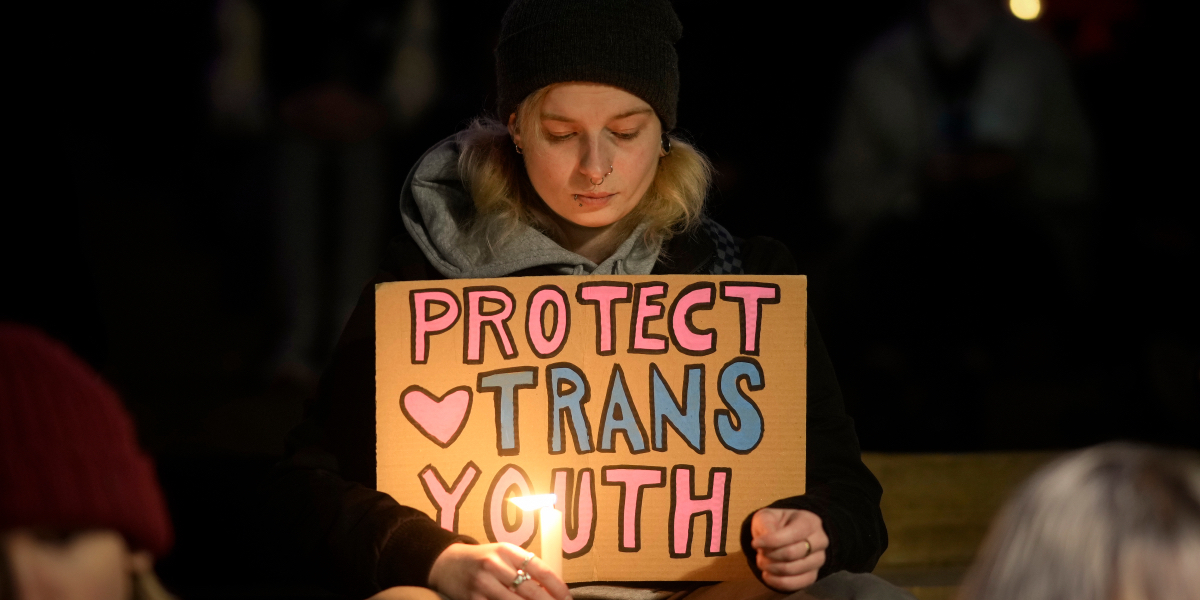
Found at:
[813, 561]
[790, 583]
[764, 521]
[795, 567]
[792, 552]
[531, 590]
[502, 574]
[819, 540]
[792, 533]
[548, 579]
[538, 570]
[494, 589]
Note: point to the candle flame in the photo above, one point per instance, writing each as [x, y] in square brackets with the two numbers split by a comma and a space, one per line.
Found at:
[534, 502]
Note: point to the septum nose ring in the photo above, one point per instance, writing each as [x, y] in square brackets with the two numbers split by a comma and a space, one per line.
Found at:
[594, 184]
[605, 176]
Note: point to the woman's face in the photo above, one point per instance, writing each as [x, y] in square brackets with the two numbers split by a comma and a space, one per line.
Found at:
[90, 564]
[595, 155]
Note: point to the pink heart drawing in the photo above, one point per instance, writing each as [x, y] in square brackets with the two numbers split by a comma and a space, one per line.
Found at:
[439, 419]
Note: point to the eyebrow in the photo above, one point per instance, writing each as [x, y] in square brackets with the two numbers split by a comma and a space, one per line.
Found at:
[628, 113]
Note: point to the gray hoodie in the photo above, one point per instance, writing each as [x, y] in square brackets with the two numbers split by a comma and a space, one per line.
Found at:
[435, 208]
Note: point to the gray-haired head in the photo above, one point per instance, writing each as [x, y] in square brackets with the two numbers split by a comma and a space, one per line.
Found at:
[1112, 522]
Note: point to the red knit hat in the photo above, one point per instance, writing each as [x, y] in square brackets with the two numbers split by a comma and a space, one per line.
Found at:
[68, 455]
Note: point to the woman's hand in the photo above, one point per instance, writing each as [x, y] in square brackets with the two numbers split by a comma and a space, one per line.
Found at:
[487, 571]
[791, 547]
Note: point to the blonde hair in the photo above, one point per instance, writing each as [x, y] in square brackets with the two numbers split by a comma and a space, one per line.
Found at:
[1112, 522]
[504, 198]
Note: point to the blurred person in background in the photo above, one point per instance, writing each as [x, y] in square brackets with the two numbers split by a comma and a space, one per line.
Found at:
[962, 100]
[1112, 522]
[961, 173]
[331, 81]
[81, 512]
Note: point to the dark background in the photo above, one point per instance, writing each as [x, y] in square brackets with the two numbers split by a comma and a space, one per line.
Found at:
[141, 234]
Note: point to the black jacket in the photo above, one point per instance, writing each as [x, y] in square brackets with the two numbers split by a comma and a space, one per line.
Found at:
[325, 489]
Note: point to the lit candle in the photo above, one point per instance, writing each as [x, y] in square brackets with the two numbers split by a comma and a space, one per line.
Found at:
[550, 522]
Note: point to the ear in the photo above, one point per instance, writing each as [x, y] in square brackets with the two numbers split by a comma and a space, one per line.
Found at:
[512, 129]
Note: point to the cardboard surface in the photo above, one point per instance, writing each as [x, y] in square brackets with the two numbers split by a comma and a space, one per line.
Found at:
[630, 397]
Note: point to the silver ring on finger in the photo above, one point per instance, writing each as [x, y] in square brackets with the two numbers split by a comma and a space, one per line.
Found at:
[807, 545]
[529, 557]
[522, 577]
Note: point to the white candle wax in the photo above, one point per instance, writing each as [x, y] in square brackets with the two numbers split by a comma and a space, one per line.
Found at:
[550, 520]
[552, 532]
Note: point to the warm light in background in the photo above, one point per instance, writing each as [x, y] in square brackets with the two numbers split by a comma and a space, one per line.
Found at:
[1025, 9]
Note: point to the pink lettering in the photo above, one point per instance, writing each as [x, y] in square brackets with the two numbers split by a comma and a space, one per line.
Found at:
[750, 298]
[548, 296]
[448, 499]
[648, 310]
[604, 296]
[632, 480]
[685, 507]
[423, 325]
[688, 338]
[497, 321]
[584, 518]
[494, 523]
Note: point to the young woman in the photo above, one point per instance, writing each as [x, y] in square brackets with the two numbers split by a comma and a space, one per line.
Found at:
[580, 175]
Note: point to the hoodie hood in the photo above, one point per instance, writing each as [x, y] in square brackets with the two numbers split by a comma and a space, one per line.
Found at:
[435, 208]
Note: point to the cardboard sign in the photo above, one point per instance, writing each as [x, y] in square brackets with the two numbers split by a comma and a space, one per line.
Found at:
[660, 410]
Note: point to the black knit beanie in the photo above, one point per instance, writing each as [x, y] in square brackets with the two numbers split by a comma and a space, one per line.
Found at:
[628, 44]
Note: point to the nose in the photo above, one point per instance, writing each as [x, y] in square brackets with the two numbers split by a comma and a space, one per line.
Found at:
[596, 160]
